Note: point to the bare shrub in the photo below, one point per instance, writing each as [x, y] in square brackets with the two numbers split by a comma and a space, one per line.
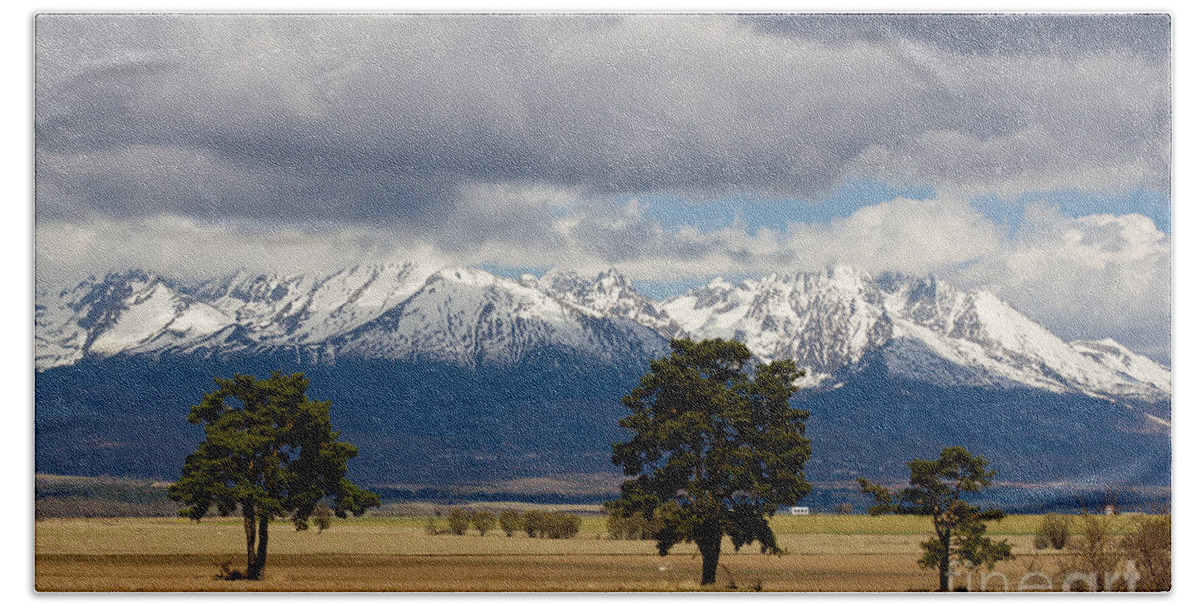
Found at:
[322, 516]
[1041, 542]
[533, 522]
[1053, 531]
[633, 527]
[572, 525]
[562, 525]
[1095, 559]
[432, 529]
[618, 527]
[640, 528]
[1149, 546]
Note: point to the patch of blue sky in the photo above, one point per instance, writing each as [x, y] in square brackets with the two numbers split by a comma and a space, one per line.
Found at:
[513, 272]
[661, 290]
[1009, 211]
[675, 212]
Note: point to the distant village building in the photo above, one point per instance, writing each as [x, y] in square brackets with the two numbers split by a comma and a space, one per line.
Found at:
[799, 510]
[1110, 510]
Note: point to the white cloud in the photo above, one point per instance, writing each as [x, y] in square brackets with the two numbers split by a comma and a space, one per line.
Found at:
[1089, 277]
[914, 236]
[180, 247]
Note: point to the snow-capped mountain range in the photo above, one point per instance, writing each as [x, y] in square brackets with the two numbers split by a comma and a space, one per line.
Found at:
[827, 321]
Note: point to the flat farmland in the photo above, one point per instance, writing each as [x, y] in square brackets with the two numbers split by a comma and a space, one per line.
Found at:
[822, 553]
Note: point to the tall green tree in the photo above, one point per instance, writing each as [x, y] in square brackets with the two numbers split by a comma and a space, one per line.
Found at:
[271, 451]
[937, 488]
[715, 449]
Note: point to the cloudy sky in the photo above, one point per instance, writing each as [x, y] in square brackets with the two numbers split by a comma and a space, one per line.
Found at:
[1029, 155]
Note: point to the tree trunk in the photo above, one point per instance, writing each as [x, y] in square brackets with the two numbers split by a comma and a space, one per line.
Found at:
[944, 565]
[248, 523]
[260, 559]
[709, 544]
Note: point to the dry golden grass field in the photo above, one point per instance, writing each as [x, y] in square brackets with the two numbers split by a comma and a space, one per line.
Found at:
[823, 553]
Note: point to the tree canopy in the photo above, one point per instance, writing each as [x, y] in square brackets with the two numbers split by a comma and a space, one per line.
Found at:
[715, 451]
[271, 451]
[937, 488]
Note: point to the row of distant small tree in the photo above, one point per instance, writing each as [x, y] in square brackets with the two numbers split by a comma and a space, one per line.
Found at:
[633, 527]
[536, 523]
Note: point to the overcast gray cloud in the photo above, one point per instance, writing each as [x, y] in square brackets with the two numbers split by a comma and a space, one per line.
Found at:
[200, 144]
[1061, 34]
[385, 118]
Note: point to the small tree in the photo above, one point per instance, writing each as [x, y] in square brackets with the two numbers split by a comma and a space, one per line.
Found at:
[634, 527]
[715, 451]
[534, 522]
[322, 515]
[273, 453]
[844, 508]
[640, 528]
[936, 488]
[459, 520]
[618, 527]
[563, 525]
[510, 521]
[483, 521]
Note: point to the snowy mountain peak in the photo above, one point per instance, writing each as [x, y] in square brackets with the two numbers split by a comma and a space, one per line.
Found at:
[823, 320]
[127, 312]
[831, 319]
[828, 321]
[842, 277]
[609, 293]
[467, 317]
[605, 287]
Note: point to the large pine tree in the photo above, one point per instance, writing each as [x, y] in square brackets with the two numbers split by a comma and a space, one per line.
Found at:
[716, 450]
[271, 451]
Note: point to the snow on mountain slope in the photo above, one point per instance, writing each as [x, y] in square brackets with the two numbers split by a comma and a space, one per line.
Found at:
[129, 313]
[824, 321]
[302, 310]
[398, 311]
[829, 320]
[57, 338]
[607, 294]
[1111, 354]
[157, 315]
[137, 312]
[468, 316]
